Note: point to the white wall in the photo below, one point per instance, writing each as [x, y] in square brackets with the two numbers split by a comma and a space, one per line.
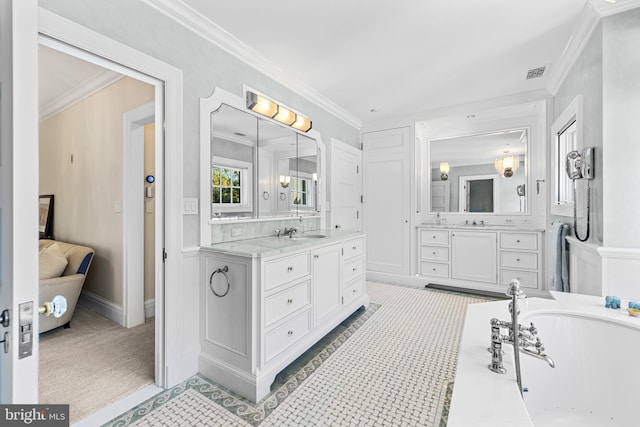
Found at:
[88, 188]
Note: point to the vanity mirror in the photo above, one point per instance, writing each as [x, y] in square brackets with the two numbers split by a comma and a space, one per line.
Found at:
[255, 167]
[482, 173]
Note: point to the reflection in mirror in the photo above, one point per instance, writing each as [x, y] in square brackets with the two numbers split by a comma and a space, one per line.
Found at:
[234, 142]
[483, 173]
[304, 191]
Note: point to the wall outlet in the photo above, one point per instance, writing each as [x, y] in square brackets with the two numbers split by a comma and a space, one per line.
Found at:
[236, 232]
[508, 221]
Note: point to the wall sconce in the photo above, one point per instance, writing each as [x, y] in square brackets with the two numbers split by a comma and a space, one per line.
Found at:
[315, 177]
[273, 110]
[284, 181]
[507, 165]
[444, 171]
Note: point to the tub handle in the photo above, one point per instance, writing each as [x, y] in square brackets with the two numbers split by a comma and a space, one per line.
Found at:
[224, 271]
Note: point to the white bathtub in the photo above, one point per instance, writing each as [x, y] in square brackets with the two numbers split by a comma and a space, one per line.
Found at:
[596, 381]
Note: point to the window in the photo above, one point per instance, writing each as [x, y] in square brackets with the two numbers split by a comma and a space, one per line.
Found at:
[231, 184]
[566, 135]
[302, 191]
[226, 186]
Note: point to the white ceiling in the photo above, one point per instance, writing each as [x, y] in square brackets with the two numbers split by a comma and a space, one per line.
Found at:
[401, 58]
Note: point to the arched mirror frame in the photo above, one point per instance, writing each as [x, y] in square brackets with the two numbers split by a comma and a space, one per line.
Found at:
[213, 103]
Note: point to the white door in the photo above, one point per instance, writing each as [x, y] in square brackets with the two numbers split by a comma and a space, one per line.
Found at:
[387, 200]
[440, 195]
[18, 194]
[346, 186]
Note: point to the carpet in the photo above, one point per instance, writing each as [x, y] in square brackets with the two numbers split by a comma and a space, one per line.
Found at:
[94, 363]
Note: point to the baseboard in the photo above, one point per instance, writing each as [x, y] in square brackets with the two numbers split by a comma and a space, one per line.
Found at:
[413, 281]
[149, 308]
[102, 306]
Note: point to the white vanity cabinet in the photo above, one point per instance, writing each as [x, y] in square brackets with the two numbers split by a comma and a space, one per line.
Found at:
[480, 258]
[280, 302]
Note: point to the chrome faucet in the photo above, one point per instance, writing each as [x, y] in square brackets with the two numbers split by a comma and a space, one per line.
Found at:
[523, 339]
[289, 231]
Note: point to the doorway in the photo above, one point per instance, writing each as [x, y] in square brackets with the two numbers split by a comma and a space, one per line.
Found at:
[92, 140]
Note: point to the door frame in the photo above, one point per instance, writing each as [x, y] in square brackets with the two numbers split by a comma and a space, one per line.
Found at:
[169, 114]
[133, 212]
[462, 192]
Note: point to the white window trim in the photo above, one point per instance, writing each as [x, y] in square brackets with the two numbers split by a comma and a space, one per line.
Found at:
[246, 189]
[573, 112]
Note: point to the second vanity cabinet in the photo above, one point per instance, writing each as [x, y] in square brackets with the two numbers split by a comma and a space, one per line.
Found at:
[280, 302]
[480, 258]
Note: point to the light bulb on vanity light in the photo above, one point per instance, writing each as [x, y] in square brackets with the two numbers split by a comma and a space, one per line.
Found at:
[284, 181]
[444, 171]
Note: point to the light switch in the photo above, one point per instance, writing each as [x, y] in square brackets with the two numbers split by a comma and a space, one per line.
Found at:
[190, 206]
[148, 207]
[117, 208]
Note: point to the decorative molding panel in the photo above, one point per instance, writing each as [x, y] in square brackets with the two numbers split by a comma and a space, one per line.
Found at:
[213, 33]
[585, 268]
[83, 91]
[620, 272]
[604, 8]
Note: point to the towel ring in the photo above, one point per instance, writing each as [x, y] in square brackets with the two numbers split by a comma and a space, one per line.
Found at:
[224, 271]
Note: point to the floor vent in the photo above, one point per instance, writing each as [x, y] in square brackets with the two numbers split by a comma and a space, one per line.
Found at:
[535, 73]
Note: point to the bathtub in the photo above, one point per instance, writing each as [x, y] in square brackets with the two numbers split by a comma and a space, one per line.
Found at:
[596, 381]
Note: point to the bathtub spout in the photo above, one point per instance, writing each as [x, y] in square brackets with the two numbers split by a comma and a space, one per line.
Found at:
[541, 356]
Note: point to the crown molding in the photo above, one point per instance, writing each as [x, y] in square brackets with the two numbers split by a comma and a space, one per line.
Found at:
[84, 90]
[210, 31]
[592, 13]
[604, 8]
[587, 22]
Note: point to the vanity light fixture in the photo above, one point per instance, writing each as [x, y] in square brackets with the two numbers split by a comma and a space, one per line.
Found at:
[284, 181]
[444, 171]
[273, 110]
[507, 165]
[315, 176]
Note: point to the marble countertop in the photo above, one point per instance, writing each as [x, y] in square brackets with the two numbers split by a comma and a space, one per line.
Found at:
[483, 398]
[273, 245]
[486, 227]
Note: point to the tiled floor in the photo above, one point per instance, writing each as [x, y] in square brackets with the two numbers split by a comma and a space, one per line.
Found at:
[393, 370]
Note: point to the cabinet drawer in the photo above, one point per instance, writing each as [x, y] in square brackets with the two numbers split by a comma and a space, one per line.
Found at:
[528, 279]
[353, 247]
[519, 241]
[434, 253]
[353, 268]
[284, 303]
[434, 269]
[283, 270]
[352, 290]
[440, 237]
[519, 260]
[287, 334]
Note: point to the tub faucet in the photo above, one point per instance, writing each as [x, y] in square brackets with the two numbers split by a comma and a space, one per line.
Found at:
[522, 338]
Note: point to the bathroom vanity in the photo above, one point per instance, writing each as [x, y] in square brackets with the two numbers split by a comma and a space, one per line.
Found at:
[481, 257]
[265, 301]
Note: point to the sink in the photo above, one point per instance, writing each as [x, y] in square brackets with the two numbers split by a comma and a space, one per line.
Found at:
[308, 236]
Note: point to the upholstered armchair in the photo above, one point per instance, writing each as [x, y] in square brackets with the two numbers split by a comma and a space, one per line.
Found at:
[69, 284]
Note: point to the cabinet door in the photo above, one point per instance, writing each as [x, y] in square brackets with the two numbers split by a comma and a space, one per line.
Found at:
[326, 281]
[387, 200]
[473, 256]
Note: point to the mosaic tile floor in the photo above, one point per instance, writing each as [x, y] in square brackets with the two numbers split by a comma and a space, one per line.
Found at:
[390, 365]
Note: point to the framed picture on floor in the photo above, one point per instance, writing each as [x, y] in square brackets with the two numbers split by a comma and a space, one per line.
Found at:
[45, 215]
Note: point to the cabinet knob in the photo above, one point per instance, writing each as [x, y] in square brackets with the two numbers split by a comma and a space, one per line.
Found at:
[433, 237]
[289, 268]
[355, 247]
[290, 301]
[434, 253]
[518, 259]
[316, 256]
[355, 290]
[354, 268]
[434, 269]
[518, 241]
[290, 333]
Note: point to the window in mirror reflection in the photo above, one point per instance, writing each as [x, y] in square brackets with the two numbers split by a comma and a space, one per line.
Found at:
[230, 188]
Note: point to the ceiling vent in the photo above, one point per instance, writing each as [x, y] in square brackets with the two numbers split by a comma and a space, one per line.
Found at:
[535, 73]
